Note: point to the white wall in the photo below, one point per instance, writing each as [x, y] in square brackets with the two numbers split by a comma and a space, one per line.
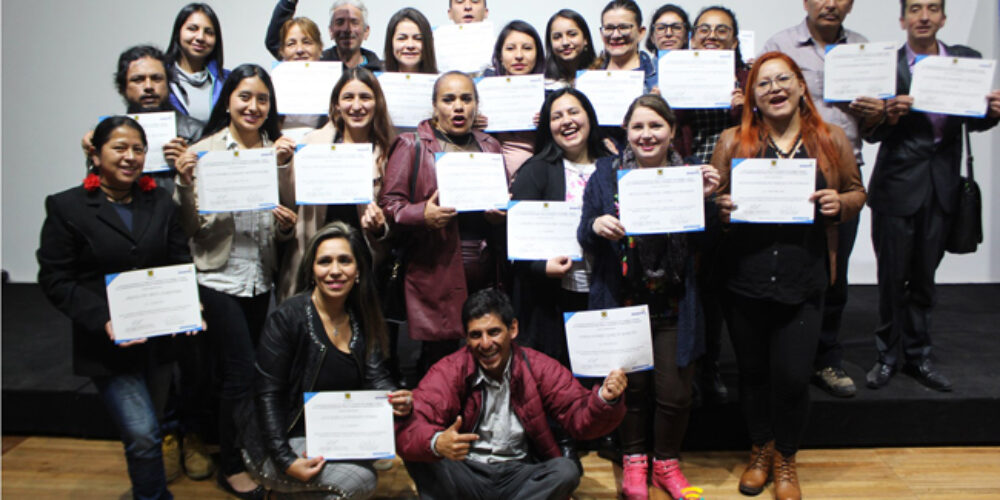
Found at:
[59, 57]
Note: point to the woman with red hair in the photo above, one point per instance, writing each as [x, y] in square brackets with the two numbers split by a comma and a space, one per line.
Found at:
[776, 274]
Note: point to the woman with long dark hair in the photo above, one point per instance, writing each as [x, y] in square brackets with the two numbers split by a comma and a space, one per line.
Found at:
[409, 44]
[194, 61]
[569, 48]
[776, 274]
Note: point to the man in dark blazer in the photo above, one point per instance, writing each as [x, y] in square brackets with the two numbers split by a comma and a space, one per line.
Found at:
[913, 194]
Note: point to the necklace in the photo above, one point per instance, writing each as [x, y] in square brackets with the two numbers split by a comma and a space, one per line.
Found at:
[786, 154]
[125, 198]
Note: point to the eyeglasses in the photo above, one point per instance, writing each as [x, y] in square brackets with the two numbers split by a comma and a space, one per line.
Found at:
[661, 28]
[783, 81]
[721, 30]
[609, 29]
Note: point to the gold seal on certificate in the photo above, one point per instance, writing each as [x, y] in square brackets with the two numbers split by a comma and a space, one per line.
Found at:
[303, 87]
[607, 339]
[237, 181]
[349, 425]
[767, 190]
[333, 174]
[541, 230]
[151, 302]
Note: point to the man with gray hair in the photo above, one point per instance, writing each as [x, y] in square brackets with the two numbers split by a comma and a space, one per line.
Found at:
[348, 29]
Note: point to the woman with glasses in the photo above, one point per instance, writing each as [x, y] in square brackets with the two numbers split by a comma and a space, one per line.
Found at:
[621, 30]
[776, 274]
[669, 29]
[569, 48]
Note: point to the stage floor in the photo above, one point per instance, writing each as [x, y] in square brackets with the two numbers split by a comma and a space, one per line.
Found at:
[41, 396]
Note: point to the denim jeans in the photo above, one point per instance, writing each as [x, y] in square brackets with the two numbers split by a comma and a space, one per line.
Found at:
[134, 401]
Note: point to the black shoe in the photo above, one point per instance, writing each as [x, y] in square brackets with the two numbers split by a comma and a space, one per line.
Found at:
[925, 373]
[835, 381]
[258, 493]
[568, 450]
[879, 375]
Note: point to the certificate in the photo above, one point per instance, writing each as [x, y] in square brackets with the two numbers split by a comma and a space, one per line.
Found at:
[408, 97]
[236, 181]
[602, 340]
[697, 79]
[464, 47]
[160, 128]
[661, 200]
[952, 85]
[541, 230]
[150, 302]
[511, 102]
[611, 92]
[471, 182]
[773, 191]
[349, 425]
[303, 87]
[748, 45]
[859, 70]
[333, 174]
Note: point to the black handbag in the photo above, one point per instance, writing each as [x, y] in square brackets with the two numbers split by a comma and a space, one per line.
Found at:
[967, 223]
[394, 270]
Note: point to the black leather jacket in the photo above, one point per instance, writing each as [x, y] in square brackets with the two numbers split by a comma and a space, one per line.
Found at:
[289, 358]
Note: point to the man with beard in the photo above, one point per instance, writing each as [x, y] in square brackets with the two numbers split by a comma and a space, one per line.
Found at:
[348, 29]
[141, 80]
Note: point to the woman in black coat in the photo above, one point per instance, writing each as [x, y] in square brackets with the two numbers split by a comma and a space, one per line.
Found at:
[116, 221]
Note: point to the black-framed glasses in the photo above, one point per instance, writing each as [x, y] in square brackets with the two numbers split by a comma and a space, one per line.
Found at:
[721, 30]
[663, 28]
[609, 29]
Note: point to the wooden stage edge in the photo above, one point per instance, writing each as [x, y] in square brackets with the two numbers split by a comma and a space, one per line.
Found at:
[64, 468]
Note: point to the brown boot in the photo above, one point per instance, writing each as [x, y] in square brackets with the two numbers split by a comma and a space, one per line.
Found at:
[758, 471]
[786, 480]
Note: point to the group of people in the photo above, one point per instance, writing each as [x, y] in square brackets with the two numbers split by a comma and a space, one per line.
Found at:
[296, 299]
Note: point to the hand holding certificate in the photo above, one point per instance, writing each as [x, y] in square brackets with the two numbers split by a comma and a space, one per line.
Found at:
[331, 174]
[697, 78]
[349, 425]
[235, 181]
[160, 128]
[604, 340]
[408, 97]
[511, 102]
[773, 191]
[303, 87]
[855, 70]
[150, 302]
[471, 182]
[952, 85]
[464, 47]
[611, 92]
[661, 200]
[541, 230]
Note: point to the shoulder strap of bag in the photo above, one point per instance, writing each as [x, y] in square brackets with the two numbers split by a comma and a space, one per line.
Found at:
[416, 165]
[968, 153]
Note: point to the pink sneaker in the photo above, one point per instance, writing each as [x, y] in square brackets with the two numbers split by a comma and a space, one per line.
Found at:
[634, 471]
[667, 476]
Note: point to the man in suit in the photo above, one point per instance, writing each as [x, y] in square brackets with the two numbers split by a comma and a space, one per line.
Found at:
[913, 194]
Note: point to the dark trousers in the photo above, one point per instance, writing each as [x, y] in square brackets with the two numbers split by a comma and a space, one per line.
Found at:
[774, 345]
[829, 352]
[553, 479]
[668, 387]
[234, 327]
[908, 251]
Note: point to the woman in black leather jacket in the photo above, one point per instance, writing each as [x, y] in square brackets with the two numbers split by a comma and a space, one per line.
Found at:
[329, 337]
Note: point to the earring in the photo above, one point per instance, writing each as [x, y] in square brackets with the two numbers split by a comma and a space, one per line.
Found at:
[357, 279]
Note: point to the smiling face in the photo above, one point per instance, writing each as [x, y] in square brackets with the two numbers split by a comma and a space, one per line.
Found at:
[567, 39]
[335, 270]
[407, 46]
[714, 31]
[570, 126]
[197, 38]
[827, 14]
[490, 341]
[623, 39]
[519, 53]
[669, 32]
[299, 46]
[455, 106]
[922, 19]
[649, 134]
[249, 105]
[348, 29]
[121, 158]
[777, 91]
[146, 85]
[356, 105]
[467, 11]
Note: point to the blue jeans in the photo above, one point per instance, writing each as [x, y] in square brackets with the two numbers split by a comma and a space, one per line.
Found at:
[134, 401]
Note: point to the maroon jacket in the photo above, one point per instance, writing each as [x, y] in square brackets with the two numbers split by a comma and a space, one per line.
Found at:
[435, 278]
[540, 388]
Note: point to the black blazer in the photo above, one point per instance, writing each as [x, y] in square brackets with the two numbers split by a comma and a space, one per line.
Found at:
[83, 238]
[909, 163]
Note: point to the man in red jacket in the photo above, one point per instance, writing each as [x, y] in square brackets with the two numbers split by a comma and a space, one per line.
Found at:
[485, 411]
